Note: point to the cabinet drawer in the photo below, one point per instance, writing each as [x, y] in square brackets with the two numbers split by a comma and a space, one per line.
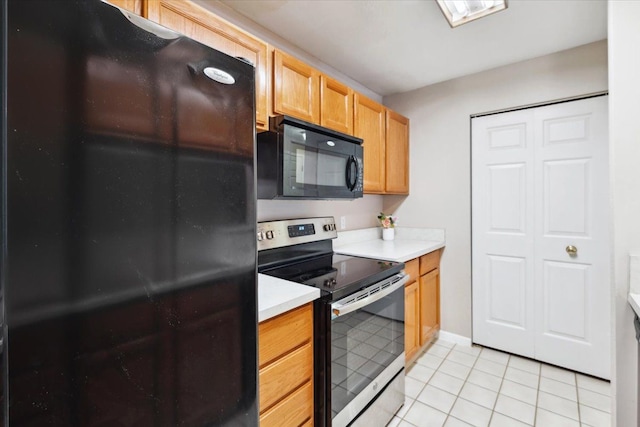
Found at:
[429, 261]
[285, 375]
[412, 268]
[293, 411]
[283, 333]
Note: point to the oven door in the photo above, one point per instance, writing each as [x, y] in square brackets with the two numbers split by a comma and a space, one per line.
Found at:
[367, 347]
[319, 166]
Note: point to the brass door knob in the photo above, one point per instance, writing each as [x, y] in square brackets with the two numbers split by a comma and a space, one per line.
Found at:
[572, 250]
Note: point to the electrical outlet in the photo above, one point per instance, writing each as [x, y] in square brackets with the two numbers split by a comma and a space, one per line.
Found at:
[343, 222]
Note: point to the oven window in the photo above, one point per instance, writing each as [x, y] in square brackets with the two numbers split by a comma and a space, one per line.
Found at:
[363, 344]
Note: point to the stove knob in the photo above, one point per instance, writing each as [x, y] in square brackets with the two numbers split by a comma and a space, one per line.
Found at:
[260, 235]
[327, 227]
[269, 234]
[330, 282]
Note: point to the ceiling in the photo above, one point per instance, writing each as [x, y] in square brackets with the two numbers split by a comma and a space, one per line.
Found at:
[397, 46]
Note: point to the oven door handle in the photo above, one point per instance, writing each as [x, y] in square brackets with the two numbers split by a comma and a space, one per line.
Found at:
[338, 310]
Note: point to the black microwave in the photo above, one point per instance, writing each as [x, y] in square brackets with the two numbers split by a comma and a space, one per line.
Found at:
[300, 160]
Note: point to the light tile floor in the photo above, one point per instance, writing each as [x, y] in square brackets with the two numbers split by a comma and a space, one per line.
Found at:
[454, 385]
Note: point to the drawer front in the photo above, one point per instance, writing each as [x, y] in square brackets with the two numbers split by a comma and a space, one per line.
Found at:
[283, 376]
[291, 412]
[283, 333]
[429, 261]
[412, 268]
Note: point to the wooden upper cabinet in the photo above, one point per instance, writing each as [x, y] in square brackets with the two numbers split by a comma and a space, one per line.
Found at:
[336, 105]
[207, 28]
[369, 124]
[397, 154]
[296, 88]
[134, 6]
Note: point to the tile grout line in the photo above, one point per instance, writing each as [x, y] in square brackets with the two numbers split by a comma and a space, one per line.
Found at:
[506, 366]
[465, 381]
[463, 384]
[426, 351]
[535, 407]
[575, 377]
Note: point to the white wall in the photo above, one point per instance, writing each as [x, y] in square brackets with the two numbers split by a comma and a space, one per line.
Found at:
[440, 151]
[624, 125]
[360, 213]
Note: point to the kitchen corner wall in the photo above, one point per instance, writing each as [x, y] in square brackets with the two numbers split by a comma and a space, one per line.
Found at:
[359, 213]
[624, 131]
[441, 151]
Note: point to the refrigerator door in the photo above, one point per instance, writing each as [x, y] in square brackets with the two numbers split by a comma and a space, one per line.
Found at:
[130, 251]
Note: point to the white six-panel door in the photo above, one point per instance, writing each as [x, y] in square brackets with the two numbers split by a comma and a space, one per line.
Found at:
[539, 191]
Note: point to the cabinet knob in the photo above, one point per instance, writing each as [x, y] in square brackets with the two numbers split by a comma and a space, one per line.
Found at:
[572, 250]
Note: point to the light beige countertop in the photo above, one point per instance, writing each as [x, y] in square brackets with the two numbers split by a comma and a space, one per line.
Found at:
[408, 244]
[276, 296]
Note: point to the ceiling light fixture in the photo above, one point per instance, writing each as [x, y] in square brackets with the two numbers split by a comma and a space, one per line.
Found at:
[460, 12]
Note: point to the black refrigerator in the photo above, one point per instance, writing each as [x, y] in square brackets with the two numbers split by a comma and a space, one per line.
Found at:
[128, 266]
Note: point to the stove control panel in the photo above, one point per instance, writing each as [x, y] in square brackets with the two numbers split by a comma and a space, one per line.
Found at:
[301, 230]
[280, 233]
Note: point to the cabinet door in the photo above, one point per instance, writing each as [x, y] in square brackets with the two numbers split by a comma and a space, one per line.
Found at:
[429, 305]
[369, 124]
[285, 363]
[134, 6]
[336, 105]
[205, 27]
[296, 88]
[411, 320]
[397, 154]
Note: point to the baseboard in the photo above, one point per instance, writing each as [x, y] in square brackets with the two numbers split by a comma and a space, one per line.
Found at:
[454, 338]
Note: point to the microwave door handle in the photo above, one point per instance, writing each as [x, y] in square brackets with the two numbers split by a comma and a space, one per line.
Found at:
[357, 177]
[338, 310]
[348, 179]
[352, 162]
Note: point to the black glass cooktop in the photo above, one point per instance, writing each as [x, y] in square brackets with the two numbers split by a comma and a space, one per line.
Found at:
[336, 275]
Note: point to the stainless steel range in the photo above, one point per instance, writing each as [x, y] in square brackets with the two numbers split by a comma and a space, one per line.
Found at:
[359, 320]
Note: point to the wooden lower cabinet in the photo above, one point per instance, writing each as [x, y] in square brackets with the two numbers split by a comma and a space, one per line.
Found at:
[285, 363]
[429, 305]
[411, 320]
[422, 303]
